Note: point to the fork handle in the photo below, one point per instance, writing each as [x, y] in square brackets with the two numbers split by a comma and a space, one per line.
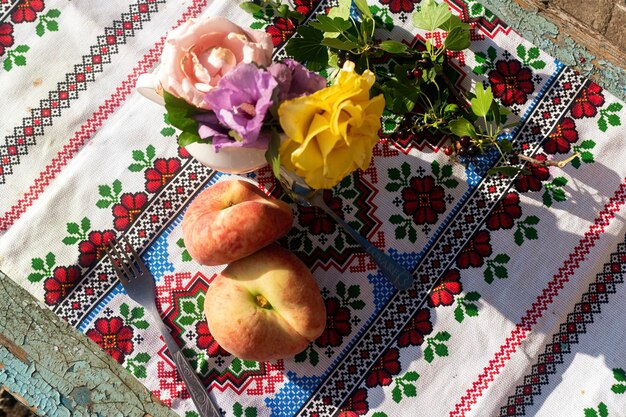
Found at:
[197, 390]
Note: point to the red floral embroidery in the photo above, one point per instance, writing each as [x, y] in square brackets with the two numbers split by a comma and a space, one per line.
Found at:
[424, 200]
[163, 171]
[26, 11]
[505, 212]
[183, 153]
[587, 103]
[532, 182]
[316, 220]
[449, 286]
[60, 283]
[93, 249]
[477, 249]
[356, 405]
[6, 37]
[112, 336]
[414, 332]
[561, 138]
[281, 30]
[398, 6]
[126, 211]
[382, 371]
[337, 324]
[305, 6]
[511, 82]
[206, 340]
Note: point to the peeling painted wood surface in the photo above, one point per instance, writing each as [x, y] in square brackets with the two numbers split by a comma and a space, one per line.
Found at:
[60, 372]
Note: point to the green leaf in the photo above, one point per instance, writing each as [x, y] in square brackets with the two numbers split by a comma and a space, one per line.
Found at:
[614, 119]
[492, 53]
[308, 48]
[531, 233]
[504, 144]
[590, 412]
[187, 320]
[394, 173]
[250, 7]
[271, 154]
[168, 131]
[502, 258]
[300, 357]
[180, 113]
[137, 313]
[50, 260]
[615, 107]
[237, 408]
[454, 22]
[363, 7]
[331, 25]
[189, 307]
[451, 183]
[186, 257]
[314, 357]
[70, 240]
[396, 219]
[250, 412]
[187, 138]
[457, 40]
[604, 412]
[104, 191]
[142, 357]
[472, 296]
[462, 127]
[618, 388]
[533, 53]
[507, 171]
[140, 371]
[393, 47]
[135, 167]
[35, 277]
[538, 65]
[52, 25]
[446, 171]
[235, 365]
[124, 310]
[341, 289]
[501, 271]
[73, 228]
[180, 243]
[521, 52]
[40, 29]
[396, 394]
[354, 291]
[471, 310]
[406, 169]
[343, 10]
[117, 187]
[547, 199]
[22, 49]
[458, 314]
[602, 125]
[429, 355]
[482, 102]
[532, 220]
[488, 275]
[141, 324]
[576, 162]
[442, 336]
[441, 349]
[619, 374]
[435, 168]
[257, 25]
[20, 61]
[409, 390]
[379, 414]
[85, 224]
[401, 232]
[480, 70]
[480, 57]
[138, 155]
[587, 144]
[339, 44]
[411, 376]
[150, 152]
[393, 186]
[518, 237]
[54, 13]
[7, 64]
[558, 194]
[357, 305]
[431, 15]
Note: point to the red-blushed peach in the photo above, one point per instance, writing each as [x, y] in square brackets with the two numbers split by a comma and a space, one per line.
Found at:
[265, 306]
[233, 219]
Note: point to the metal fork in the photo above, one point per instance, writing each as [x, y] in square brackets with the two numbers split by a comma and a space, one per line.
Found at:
[139, 285]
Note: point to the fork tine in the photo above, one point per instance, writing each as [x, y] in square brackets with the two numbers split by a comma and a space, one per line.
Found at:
[131, 260]
[120, 274]
[129, 274]
[136, 258]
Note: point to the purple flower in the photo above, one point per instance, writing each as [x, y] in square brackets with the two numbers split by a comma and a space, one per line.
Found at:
[240, 102]
[210, 127]
[294, 80]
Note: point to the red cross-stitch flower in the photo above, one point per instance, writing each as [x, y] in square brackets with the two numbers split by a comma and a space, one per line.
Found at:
[163, 171]
[356, 405]
[588, 101]
[505, 212]
[126, 211]
[94, 248]
[476, 249]
[206, 340]
[424, 200]
[397, 6]
[382, 371]
[305, 6]
[449, 286]
[6, 37]
[532, 182]
[316, 220]
[26, 11]
[337, 324]
[60, 283]
[561, 138]
[511, 82]
[112, 336]
[281, 30]
[414, 331]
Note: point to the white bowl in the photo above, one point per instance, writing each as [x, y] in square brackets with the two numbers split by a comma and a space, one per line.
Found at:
[230, 160]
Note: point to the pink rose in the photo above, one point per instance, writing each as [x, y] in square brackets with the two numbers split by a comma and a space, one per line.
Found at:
[200, 52]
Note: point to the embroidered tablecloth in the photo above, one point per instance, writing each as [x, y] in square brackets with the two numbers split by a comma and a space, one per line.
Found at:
[518, 303]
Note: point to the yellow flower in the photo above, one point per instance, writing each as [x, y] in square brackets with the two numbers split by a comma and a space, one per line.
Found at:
[331, 132]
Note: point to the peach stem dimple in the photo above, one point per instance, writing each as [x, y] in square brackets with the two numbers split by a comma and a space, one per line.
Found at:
[262, 302]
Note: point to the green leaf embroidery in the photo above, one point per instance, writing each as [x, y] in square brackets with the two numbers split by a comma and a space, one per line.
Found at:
[53, 13]
[35, 277]
[619, 374]
[40, 29]
[472, 296]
